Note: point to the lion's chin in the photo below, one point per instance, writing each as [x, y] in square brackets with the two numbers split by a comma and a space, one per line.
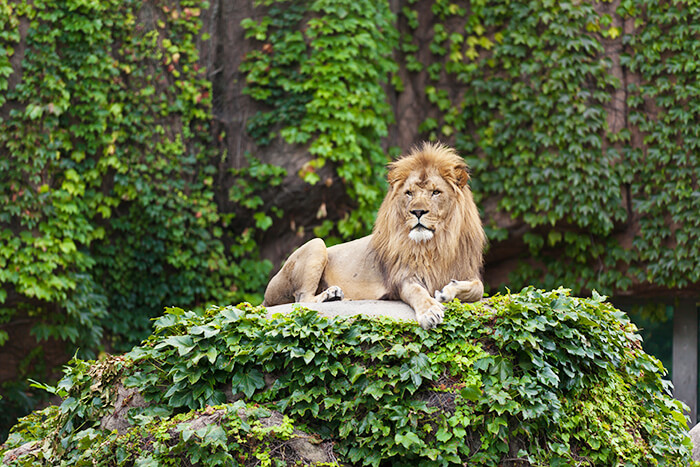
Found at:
[420, 234]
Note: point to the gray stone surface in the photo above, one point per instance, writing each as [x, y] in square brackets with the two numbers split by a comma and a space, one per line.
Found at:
[393, 309]
[695, 438]
[31, 449]
[126, 399]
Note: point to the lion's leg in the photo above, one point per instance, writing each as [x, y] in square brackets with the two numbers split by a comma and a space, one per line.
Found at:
[465, 291]
[299, 278]
[429, 312]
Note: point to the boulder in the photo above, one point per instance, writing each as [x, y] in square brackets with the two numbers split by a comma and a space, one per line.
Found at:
[389, 308]
[694, 434]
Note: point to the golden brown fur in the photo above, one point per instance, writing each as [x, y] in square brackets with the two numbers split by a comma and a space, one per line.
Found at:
[427, 237]
[456, 250]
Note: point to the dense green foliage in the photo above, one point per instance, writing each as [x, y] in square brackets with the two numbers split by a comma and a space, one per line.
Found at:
[532, 109]
[665, 185]
[541, 377]
[536, 89]
[108, 202]
[112, 203]
[527, 91]
[322, 77]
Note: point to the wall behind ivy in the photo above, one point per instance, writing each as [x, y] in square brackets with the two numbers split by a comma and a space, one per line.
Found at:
[173, 153]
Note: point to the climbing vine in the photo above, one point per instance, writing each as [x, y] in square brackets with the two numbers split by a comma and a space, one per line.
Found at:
[109, 201]
[572, 139]
[531, 111]
[666, 110]
[320, 68]
[530, 116]
[538, 377]
[111, 196]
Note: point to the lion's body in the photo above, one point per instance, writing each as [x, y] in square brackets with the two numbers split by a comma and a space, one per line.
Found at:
[427, 237]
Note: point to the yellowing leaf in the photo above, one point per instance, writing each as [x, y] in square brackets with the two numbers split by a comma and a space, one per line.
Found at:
[592, 27]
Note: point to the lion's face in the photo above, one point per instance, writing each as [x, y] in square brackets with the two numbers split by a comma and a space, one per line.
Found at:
[424, 201]
[428, 226]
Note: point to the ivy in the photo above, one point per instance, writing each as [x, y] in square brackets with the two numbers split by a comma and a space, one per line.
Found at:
[237, 437]
[543, 376]
[113, 204]
[535, 88]
[530, 112]
[665, 183]
[322, 77]
[110, 193]
[526, 90]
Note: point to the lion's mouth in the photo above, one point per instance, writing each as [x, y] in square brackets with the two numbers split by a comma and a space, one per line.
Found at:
[420, 233]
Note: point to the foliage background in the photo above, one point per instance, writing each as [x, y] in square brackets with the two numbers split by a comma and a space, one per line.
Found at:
[169, 153]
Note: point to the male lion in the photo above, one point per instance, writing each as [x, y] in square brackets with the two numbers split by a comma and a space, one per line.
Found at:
[427, 235]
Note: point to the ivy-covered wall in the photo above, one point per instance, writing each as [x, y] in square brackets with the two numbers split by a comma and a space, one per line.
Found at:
[579, 120]
[153, 154]
[582, 121]
[109, 188]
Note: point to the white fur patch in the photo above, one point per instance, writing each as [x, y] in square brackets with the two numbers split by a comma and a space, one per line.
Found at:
[420, 235]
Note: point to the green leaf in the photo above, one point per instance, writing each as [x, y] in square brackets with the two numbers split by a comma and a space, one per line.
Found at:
[309, 356]
[247, 382]
[407, 439]
[212, 354]
[471, 392]
[183, 344]
[354, 372]
[207, 331]
[443, 434]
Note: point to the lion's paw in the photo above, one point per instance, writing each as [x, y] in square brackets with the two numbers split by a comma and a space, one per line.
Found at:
[332, 294]
[447, 293]
[442, 297]
[431, 317]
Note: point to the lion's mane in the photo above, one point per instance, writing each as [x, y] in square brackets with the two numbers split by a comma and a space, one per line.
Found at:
[454, 252]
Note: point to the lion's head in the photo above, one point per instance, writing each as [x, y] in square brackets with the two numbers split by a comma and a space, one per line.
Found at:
[428, 226]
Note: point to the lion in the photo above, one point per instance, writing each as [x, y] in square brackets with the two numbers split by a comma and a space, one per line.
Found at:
[427, 237]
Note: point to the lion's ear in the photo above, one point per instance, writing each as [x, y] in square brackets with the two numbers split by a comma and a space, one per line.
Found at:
[461, 173]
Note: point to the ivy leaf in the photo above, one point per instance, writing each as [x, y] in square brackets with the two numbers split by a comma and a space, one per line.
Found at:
[247, 382]
[471, 392]
[212, 354]
[443, 434]
[232, 315]
[355, 372]
[183, 344]
[207, 331]
[407, 439]
[377, 389]
[308, 356]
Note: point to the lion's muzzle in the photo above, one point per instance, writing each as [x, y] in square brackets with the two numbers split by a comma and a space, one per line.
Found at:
[420, 233]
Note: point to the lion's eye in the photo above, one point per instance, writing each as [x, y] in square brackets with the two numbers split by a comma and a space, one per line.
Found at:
[409, 193]
[436, 192]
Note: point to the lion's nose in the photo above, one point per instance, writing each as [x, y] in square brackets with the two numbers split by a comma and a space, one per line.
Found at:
[419, 213]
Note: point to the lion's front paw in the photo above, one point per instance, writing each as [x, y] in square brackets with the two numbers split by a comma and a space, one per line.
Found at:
[431, 317]
[442, 297]
[447, 293]
[332, 294]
